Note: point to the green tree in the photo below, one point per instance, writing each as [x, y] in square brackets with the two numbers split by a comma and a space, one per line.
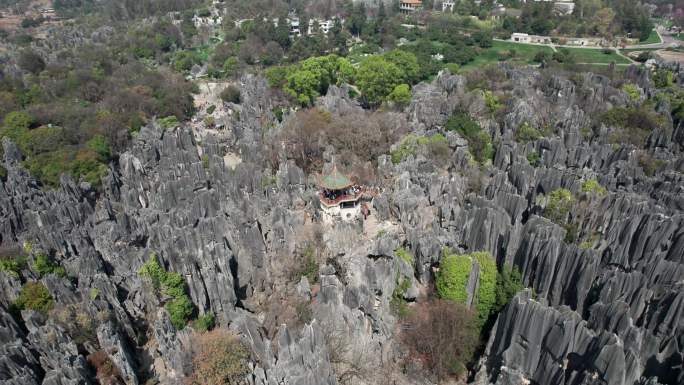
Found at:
[377, 78]
[99, 144]
[452, 278]
[16, 124]
[231, 94]
[303, 86]
[401, 95]
[406, 62]
[451, 281]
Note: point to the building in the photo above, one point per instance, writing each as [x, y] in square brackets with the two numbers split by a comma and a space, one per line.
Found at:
[532, 39]
[564, 7]
[410, 6]
[322, 26]
[339, 196]
[448, 5]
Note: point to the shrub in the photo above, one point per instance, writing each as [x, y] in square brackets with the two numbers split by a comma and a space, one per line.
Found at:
[410, 143]
[571, 233]
[16, 124]
[542, 57]
[634, 124]
[463, 124]
[454, 68]
[526, 133]
[644, 56]
[35, 296]
[592, 186]
[649, 164]
[152, 270]
[184, 61]
[398, 304]
[452, 278]
[12, 265]
[444, 335]
[559, 204]
[401, 95]
[586, 245]
[486, 294]
[492, 101]
[508, 284]
[230, 66]
[99, 145]
[171, 284]
[481, 147]
[404, 254]
[231, 94]
[632, 91]
[41, 139]
[663, 78]
[105, 371]
[168, 122]
[309, 267]
[31, 62]
[43, 266]
[534, 159]
[479, 142]
[304, 312]
[219, 358]
[180, 310]
[563, 55]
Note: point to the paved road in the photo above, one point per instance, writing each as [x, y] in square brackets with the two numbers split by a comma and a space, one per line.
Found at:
[666, 40]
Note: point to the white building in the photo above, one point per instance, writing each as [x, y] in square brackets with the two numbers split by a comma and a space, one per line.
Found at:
[410, 6]
[531, 39]
[448, 5]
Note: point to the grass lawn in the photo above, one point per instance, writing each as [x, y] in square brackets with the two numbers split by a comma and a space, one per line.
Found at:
[590, 55]
[524, 53]
[653, 38]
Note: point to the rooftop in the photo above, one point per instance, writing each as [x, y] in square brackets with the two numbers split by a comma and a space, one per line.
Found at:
[334, 181]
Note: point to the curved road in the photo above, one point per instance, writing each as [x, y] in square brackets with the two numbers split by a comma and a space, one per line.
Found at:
[666, 40]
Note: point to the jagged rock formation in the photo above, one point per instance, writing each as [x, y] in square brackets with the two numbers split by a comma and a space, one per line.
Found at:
[608, 312]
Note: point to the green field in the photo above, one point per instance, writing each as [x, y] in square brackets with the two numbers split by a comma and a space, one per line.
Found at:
[597, 56]
[501, 51]
[653, 38]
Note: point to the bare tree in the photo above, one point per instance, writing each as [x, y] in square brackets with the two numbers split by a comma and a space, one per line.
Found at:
[349, 360]
[443, 336]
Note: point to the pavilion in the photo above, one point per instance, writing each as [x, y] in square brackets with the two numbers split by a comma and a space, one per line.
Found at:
[339, 196]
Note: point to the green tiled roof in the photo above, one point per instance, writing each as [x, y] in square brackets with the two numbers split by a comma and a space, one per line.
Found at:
[334, 181]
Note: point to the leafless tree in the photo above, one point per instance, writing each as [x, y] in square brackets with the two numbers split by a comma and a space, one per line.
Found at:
[443, 336]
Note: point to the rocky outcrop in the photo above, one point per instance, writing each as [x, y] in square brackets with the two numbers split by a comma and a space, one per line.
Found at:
[605, 297]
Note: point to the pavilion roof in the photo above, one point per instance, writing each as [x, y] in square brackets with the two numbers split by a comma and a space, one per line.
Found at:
[334, 181]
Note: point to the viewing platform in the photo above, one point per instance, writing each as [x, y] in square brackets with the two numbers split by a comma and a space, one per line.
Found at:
[341, 198]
